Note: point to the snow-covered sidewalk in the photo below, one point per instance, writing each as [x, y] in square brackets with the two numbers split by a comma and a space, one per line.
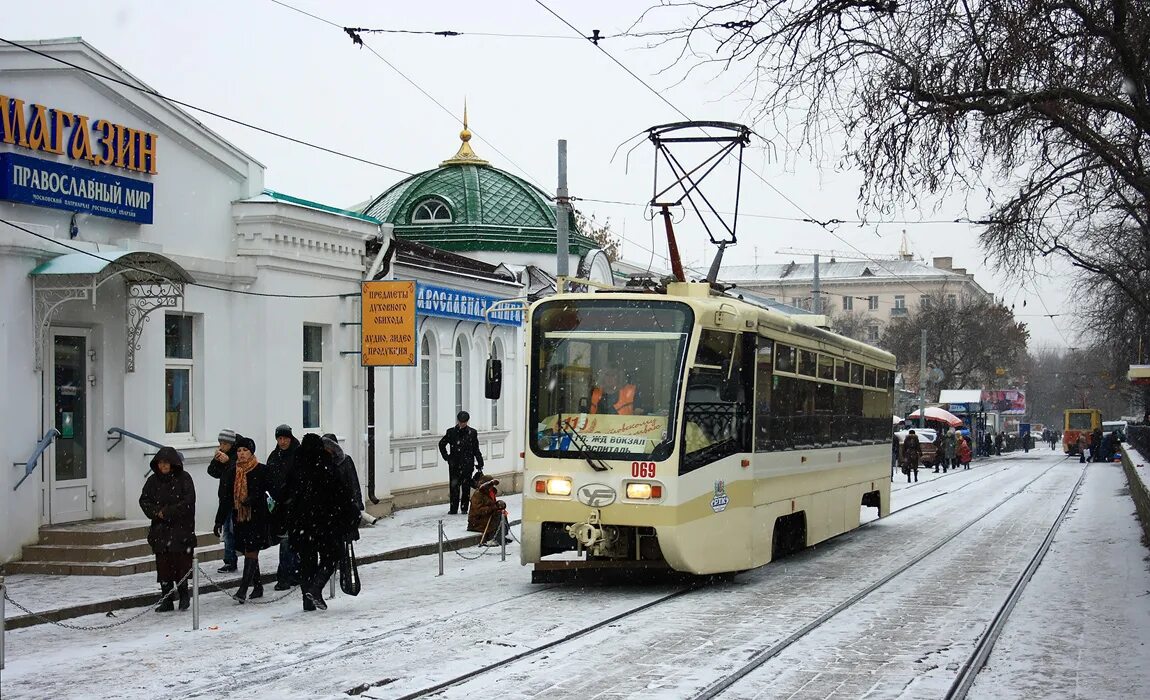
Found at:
[400, 530]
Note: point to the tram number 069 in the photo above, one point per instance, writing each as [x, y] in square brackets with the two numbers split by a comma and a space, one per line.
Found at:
[643, 470]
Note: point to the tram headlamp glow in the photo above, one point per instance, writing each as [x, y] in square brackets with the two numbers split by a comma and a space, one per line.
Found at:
[643, 492]
[558, 487]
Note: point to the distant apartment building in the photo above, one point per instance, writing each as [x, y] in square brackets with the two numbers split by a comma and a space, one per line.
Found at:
[861, 296]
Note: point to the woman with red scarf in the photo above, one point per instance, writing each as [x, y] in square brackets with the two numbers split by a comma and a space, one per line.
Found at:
[244, 495]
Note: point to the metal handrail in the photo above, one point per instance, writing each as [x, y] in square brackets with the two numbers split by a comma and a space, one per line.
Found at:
[125, 433]
[30, 464]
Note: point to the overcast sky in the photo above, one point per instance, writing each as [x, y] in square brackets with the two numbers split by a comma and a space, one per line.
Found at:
[260, 62]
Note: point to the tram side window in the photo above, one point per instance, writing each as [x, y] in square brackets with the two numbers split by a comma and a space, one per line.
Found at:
[717, 418]
[807, 362]
[784, 358]
[763, 362]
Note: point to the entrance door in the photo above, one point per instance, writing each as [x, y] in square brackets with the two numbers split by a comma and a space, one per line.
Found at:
[69, 480]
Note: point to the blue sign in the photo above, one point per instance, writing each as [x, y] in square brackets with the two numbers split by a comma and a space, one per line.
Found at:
[431, 300]
[46, 183]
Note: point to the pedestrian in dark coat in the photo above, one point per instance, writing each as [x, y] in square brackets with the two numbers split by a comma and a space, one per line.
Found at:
[462, 459]
[222, 460]
[246, 486]
[345, 467]
[998, 441]
[1096, 445]
[321, 512]
[486, 510]
[279, 462]
[169, 500]
[911, 455]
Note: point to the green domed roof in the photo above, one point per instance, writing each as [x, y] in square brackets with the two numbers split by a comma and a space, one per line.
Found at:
[467, 205]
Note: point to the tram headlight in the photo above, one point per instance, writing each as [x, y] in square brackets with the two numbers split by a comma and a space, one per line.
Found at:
[641, 491]
[556, 487]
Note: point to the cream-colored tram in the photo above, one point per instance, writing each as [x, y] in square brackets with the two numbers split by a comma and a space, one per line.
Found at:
[694, 431]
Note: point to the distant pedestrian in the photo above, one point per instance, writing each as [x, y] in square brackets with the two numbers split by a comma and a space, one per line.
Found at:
[279, 463]
[247, 486]
[963, 451]
[951, 448]
[169, 500]
[894, 445]
[222, 460]
[911, 455]
[486, 510]
[999, 439]
[988, 444]
[463, 457]
[1096, 445]
[321, 513]
[1081, 445]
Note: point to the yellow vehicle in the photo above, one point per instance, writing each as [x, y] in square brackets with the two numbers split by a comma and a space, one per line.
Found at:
[742, 434]
[1076, 421]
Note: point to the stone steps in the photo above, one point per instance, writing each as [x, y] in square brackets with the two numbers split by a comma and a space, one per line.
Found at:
[100, 548]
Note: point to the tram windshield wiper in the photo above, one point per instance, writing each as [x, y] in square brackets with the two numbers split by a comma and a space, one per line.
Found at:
[581, 448]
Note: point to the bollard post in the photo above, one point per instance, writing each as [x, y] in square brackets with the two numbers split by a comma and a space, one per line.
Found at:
[3, 592]
[502, 538]
[440, 548]
[195, 592]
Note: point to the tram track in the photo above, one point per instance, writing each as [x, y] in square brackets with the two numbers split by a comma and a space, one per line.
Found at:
[978, 658]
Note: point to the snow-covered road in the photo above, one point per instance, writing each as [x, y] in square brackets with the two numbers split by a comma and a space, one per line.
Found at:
[1079, 631]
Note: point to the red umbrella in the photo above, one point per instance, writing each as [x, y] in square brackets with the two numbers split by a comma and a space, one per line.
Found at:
[939, 414]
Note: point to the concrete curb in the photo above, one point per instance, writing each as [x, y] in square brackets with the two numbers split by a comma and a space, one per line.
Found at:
[1138, 494]
[146, 599]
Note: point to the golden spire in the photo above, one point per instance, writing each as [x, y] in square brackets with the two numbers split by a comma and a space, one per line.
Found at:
[464, 156]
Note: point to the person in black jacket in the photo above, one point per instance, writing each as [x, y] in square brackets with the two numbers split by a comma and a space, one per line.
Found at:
[279, 463]
[463, 457]
[345, 467]
[321, 513]
[169, 500]
[225, 458]
[246, 486]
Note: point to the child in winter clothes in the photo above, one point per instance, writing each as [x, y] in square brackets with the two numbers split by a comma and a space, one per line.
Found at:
[486, 510]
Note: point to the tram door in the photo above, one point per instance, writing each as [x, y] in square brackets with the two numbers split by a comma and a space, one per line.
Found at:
[67, 467]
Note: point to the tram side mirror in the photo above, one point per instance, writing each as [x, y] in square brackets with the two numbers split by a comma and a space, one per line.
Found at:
[493, 381]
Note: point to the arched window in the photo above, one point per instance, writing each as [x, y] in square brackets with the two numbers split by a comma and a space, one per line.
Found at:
[431, 211]
[425, 385]
[496, 354]
[461, 375]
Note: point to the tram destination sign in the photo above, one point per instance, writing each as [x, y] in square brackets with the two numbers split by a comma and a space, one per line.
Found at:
[387, 333]
[46, 183]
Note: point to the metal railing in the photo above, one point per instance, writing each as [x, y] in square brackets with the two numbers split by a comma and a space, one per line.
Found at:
[118, 435]
[1139, 436]
[30, 464]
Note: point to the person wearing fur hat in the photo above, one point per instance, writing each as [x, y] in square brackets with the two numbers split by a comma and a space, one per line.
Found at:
[486, 510]
[222, 460]
[279, 464]
[169, 500]
[245, 487]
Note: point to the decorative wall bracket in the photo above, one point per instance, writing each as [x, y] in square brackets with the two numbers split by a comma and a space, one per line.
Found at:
[143, 299]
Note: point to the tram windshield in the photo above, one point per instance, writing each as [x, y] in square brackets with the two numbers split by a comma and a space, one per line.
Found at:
[605, 376]
[1079, 421]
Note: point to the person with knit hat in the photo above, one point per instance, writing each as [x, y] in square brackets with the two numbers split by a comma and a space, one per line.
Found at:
[279, 464]
[223, 460]
[486, 510]
[463, 458]
[245, 488]
[169, 501]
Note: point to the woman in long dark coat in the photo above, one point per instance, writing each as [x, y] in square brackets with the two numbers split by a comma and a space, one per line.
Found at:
[169, 500]
[244, 488]
[321, 515]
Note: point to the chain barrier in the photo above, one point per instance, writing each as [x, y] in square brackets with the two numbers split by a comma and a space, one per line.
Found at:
[257, 601]
[96, 628]
[488, 547]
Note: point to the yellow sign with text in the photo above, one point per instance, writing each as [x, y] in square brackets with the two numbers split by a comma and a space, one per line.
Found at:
[387, 333]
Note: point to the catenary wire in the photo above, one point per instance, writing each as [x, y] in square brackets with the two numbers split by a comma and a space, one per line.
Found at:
[133, 268]
[239, 122]
[793, 203]
[351, 32]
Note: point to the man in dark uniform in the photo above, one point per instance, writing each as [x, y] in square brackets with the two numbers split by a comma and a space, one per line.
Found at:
[463, 456]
